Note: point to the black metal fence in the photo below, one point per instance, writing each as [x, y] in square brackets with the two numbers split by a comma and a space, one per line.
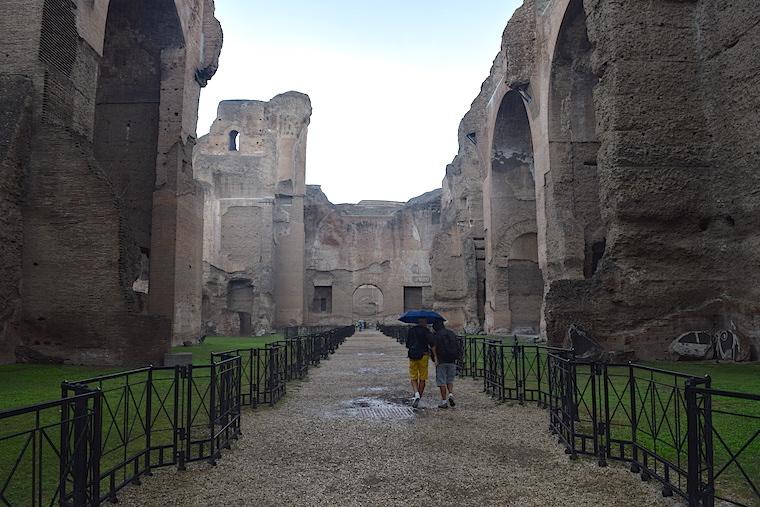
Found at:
[266, 371]
[397, 332]
[698, 442]
[110, 431]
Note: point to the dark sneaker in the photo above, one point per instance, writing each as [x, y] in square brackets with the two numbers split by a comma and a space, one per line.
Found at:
[443, 404]
[451, 401]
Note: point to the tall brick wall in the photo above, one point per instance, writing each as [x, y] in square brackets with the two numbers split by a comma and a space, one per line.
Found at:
[78, 269]
[16, 97]
[88, 224]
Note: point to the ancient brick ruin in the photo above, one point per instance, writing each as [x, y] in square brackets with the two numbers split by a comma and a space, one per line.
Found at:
[278, 253]
[368, 261]
[252, 167]
[99, 212]
[606, 178]
[635, 124]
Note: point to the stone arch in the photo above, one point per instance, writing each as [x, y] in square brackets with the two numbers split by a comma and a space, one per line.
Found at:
[138, 109]
[367, 302]
[575, 233]
[511, 208]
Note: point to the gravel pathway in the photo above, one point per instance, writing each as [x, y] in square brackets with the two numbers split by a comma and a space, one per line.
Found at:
[346, 436]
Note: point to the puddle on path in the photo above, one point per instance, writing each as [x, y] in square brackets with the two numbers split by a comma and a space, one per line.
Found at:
[372, 407]
[367, 407]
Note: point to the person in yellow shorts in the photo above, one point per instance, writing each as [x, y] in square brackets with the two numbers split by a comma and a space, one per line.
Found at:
[418, 342]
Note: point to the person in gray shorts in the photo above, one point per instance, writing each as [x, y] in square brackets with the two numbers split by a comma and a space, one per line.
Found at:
[446, 354]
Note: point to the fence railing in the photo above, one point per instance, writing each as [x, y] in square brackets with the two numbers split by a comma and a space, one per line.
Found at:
[700, 443]
[110, 431]
[266, 371]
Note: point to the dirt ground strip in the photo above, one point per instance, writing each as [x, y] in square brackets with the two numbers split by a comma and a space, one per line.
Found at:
[347, 436]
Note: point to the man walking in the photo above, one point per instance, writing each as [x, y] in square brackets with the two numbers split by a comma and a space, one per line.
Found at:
[446, 353]
[418, 343]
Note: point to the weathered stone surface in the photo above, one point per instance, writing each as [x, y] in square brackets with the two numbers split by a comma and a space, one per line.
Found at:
[642, 122]
[252, 166]
[369, 260]
[111, 258]
[15, 131]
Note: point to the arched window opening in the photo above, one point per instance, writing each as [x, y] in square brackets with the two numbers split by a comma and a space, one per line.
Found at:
[234, 140]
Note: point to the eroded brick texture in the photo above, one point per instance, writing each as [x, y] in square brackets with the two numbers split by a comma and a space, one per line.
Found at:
[252, 166]
[369, 260]
[110, 213]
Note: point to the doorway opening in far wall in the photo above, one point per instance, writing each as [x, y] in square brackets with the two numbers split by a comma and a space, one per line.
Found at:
[412, 298]
[322, 302]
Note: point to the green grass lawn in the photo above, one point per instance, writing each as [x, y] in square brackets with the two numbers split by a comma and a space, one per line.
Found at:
[27, 384]
[123, 398]
[202, 351]
[662, 423]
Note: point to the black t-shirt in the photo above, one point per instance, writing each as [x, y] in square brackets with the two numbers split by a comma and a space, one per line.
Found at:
[418, 342]
[439, 339]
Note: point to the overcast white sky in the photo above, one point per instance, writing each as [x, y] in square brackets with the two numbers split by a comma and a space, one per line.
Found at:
[389, 82]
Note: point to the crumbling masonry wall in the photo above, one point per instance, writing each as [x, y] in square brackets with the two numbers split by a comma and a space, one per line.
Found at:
[110, 213]
[252, 166]
[642, 119]
[15, 127]
[368, 260]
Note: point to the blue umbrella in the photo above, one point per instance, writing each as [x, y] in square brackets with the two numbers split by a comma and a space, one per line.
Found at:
[412, 316]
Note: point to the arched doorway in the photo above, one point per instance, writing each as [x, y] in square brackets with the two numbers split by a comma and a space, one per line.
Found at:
[512, 213]
[576, 236]
[367, 302]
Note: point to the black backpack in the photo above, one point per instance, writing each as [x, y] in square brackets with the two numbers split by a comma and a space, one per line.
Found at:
[447, 347]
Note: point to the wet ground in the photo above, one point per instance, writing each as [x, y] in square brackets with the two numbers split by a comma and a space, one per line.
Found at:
[348, 436]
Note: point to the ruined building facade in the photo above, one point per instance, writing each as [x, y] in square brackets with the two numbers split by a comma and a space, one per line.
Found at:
[614, 150]
[368, 261]
[252, 166]
[278, 253]
[100, 252]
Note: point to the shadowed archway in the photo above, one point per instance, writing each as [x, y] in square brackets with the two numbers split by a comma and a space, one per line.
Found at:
[512, 198]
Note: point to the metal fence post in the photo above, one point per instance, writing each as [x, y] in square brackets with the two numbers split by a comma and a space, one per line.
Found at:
[148, 420]
[541, 401]
[520, 374]
[177, 414]
[63, 457]
[600, 372]
[79, 466]
[708, 489]
[188, 445]
[635, 467]
[570, 403]
[239, 397]
[212, 413]
[95, 446]
[550, 373]
[694, 444]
